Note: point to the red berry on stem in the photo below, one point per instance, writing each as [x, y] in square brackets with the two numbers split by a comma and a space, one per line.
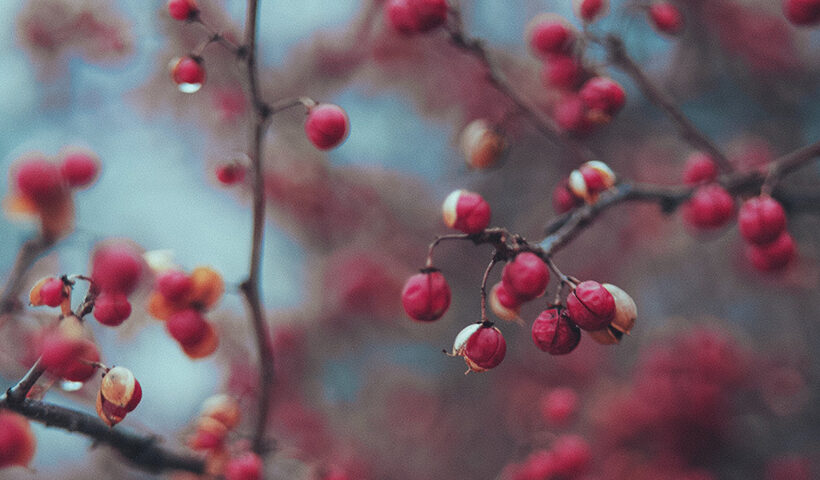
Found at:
[116, 268]
[52, 293]
[802, 12]
[572, 456]
[526, 277]
[590, 10]
[563, 200]
[430, 14]
[112, 308]
[326, 126]
[503, 304]
[79, 167]
[80, 368]
[17, 442]
[603, 95]
[426, 296]
[773, 256]
[466, 211]
[549, 34]
[39, 180]
[188, 73]
[710, 207]
[182, 9]
[485, 349]
[174, 285]
[188, 327]
[561, 71]
[761, 220]
[590, 179]
[230, 173]
[666, 17]
[553, 333]
[248, 466]
[591, 306]
[699, 168]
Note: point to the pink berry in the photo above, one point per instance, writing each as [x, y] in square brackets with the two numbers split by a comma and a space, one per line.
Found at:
[182, 9]
[561, 71]
[591, 306]
[426, 296]
[503, 304]
[116, 268]
[710, 207]
[17, 442]
[52, 293]
[188, 73]
[699, 168]
[326, 126]
[248, 466]
[590, 179]
[802, 12]
[59, 350]
[174, 285]
[80, 368]
[549, 34]
[79, 168]
[485, 349]
[563, 200]
[761, 220]
[666, 17]
[39, 180]
[526, 277]
[400, 16]
[572, 456]
[570, 114]
[773, 256]
[230, 173]
[590, 10]
[559, 405]
[466, 211]
[112, 308]
[553, 333]
[188, 327]
[603, 95]
[415, 16]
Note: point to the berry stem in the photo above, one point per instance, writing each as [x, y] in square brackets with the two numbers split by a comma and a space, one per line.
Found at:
[487, 271]
[216, 36]
[29, 252]
[452, 236]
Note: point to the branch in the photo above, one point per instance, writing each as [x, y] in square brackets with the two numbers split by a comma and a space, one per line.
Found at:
[251, 286]
[690, 133]
[29, 252]
[144, 452]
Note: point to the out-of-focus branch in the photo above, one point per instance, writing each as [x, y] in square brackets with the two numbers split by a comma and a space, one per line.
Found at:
[29, 252]
[621, 59]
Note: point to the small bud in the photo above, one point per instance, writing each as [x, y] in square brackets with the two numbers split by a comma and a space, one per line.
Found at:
[426, 296]
[549, 34]
[112, 309]
[591, 306]
[481, 146]
[121, 389]
[466, 211]
[526, 277]
[666, 17]
[773, 256]
[326, 126]
[504, 305]
[590, 179]
[188, 73]
[17, 442]
[699, 168]
[553, 333]
[761, 220]
[710, 207]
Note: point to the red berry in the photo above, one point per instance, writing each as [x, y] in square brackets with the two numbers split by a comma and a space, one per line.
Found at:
[590, 179]
[80, 369]
[466, 211]
[188, 327]
[773, 256]
[52, 293]
[485, 349]
[60, 350]
[112, 308]
[426, 296]
[416, 16]
[559, 405]
[563, 200]
[79, 167]
[326, 126]
[561, 71]
[590, 10]
[182, 9]
[572, 455]
[245, 467]
[603, 95]
[571, 115]
[591, 306]
[174, 285]
[188, 73]
[39, 180]
[666, 17]
[549, 34]
[230, 173]
[504, 305]
[761, 220]
[17, 442]
[699, 168]
[116, 268]
[710, 207]
[526, 277]
[802, 12]
[553, 333]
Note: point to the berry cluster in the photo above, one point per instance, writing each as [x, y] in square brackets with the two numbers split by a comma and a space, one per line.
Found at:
[116, 269]
[181, 300]
[410, 17]
[120, 393]
[41, 186]
[762, 223]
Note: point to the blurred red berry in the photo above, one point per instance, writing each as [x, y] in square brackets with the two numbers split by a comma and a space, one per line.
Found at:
[230, 173]
[761, 220]
[549, 34]
[182, 9]
[326, 126]
[116, 268]
[802, 12]
[39, 180]
[699, 168]
[248, 466]
[666, 17]
[52, 293]
[187, 327]
[710, 207]
[112, 308]
[174, 285]
[79, 168]
[773, 256]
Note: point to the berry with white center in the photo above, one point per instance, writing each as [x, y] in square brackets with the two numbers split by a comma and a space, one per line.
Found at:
[326, 126]
[484, 349]
[591, 306]
[553, 333]
[626, 312]
[590, 179]
[426, 296]
[466, 211]
[761, 220]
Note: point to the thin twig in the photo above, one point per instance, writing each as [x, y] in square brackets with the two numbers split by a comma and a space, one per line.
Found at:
[29, 252]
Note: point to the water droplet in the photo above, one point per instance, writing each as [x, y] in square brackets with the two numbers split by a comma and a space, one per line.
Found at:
[189, 87]
[69, 386]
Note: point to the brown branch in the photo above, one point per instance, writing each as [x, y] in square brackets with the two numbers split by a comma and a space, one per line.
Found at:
[619, 57]
[29, 252]
[251, 286]
[144, 452]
